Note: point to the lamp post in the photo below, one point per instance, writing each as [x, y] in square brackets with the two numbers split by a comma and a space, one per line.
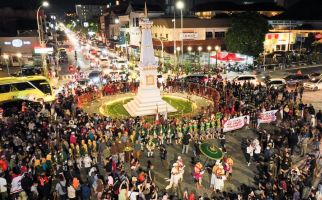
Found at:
[209, 49]
[44, 62]
[162, 56]
[6, 58]
[178, 50]
[217, 48]
[174, 40]
[180, 6]
[199, 50]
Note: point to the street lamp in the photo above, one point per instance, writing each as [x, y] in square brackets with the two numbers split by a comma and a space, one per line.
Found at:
[44, 4]
[180, 6]
[6, 58]
[199, 50]
[117, 21]
[217, 48]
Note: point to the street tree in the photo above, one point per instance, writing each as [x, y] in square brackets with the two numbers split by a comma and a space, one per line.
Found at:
[247, 34]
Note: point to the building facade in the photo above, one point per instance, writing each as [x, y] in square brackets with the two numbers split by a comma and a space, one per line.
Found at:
[88, 12]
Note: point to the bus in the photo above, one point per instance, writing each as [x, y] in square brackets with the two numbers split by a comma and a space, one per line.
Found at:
[29, 88]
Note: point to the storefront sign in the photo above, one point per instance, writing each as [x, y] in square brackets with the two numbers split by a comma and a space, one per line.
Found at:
[267, 117]
[236, 123]
[17, 43]
[188, 36]
[43, 50]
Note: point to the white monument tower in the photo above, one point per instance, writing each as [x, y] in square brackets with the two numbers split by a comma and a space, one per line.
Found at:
[148, 99]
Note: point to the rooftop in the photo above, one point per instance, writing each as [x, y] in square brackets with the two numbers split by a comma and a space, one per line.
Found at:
[231, 6]
[192, 22]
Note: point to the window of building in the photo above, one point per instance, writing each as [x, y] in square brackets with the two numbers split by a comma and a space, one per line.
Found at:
[209, 35]
[219, 34]
[167, 36]
[160, 35]
[137, 22]
[156, 35]
[283, 47]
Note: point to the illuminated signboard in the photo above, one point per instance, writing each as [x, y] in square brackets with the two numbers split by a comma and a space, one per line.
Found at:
[17, 43]
[189, 36]
[43, 50]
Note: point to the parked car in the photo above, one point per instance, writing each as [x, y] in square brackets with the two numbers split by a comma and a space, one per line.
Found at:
[104, 62]
[247, 78]
[315, 76]
[313, 85]
[277, 83]
[296, 79]
[94, 77]
[83, 83]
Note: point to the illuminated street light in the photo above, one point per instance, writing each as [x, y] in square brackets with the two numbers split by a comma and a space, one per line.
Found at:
[180, 6]
[19, 55]
[189, 48]
[178, 48]
[117, 21]
[199, 48]
[45, 4]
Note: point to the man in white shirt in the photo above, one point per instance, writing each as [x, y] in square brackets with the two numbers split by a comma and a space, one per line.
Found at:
[87, 163]
[3, 188]
[71, 192]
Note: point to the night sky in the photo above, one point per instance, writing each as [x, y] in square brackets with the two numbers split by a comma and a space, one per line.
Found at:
[61, 6]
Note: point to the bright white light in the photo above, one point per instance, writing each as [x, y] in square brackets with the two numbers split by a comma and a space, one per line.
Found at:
[217, 48]
[5, 56]
[199, 48]
[45, 4]
[19, 55]
[189, 48]
[178, 48]
[180, 5]
[117, 21]
[209, 48]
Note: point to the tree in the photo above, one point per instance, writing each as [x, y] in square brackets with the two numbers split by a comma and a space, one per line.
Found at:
[247, 34]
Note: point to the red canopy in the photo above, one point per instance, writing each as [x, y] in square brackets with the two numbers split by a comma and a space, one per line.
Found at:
[225, 56]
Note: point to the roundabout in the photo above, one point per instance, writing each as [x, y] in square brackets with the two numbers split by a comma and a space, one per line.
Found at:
[115, 108]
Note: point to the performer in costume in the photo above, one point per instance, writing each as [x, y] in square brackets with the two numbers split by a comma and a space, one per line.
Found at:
[150, 147]
[198, 173]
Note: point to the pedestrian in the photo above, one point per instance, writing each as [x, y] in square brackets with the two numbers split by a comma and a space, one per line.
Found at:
[185, 143]
[61, 187]
[249, 153]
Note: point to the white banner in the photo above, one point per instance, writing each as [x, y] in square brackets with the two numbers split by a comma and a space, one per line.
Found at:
[267, 117]
[236, 123]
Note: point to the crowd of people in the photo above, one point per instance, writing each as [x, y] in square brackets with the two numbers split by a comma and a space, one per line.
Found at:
[62, 152]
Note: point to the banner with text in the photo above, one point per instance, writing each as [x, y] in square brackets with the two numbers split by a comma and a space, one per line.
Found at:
[236, 123]
[267, 117]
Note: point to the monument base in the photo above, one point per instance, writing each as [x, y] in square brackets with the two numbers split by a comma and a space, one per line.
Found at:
[147, 102]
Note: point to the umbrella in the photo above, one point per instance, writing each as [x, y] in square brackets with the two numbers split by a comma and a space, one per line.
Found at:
[211, 151]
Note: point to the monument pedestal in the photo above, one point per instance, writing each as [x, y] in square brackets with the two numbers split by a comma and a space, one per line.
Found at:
[147, 102]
